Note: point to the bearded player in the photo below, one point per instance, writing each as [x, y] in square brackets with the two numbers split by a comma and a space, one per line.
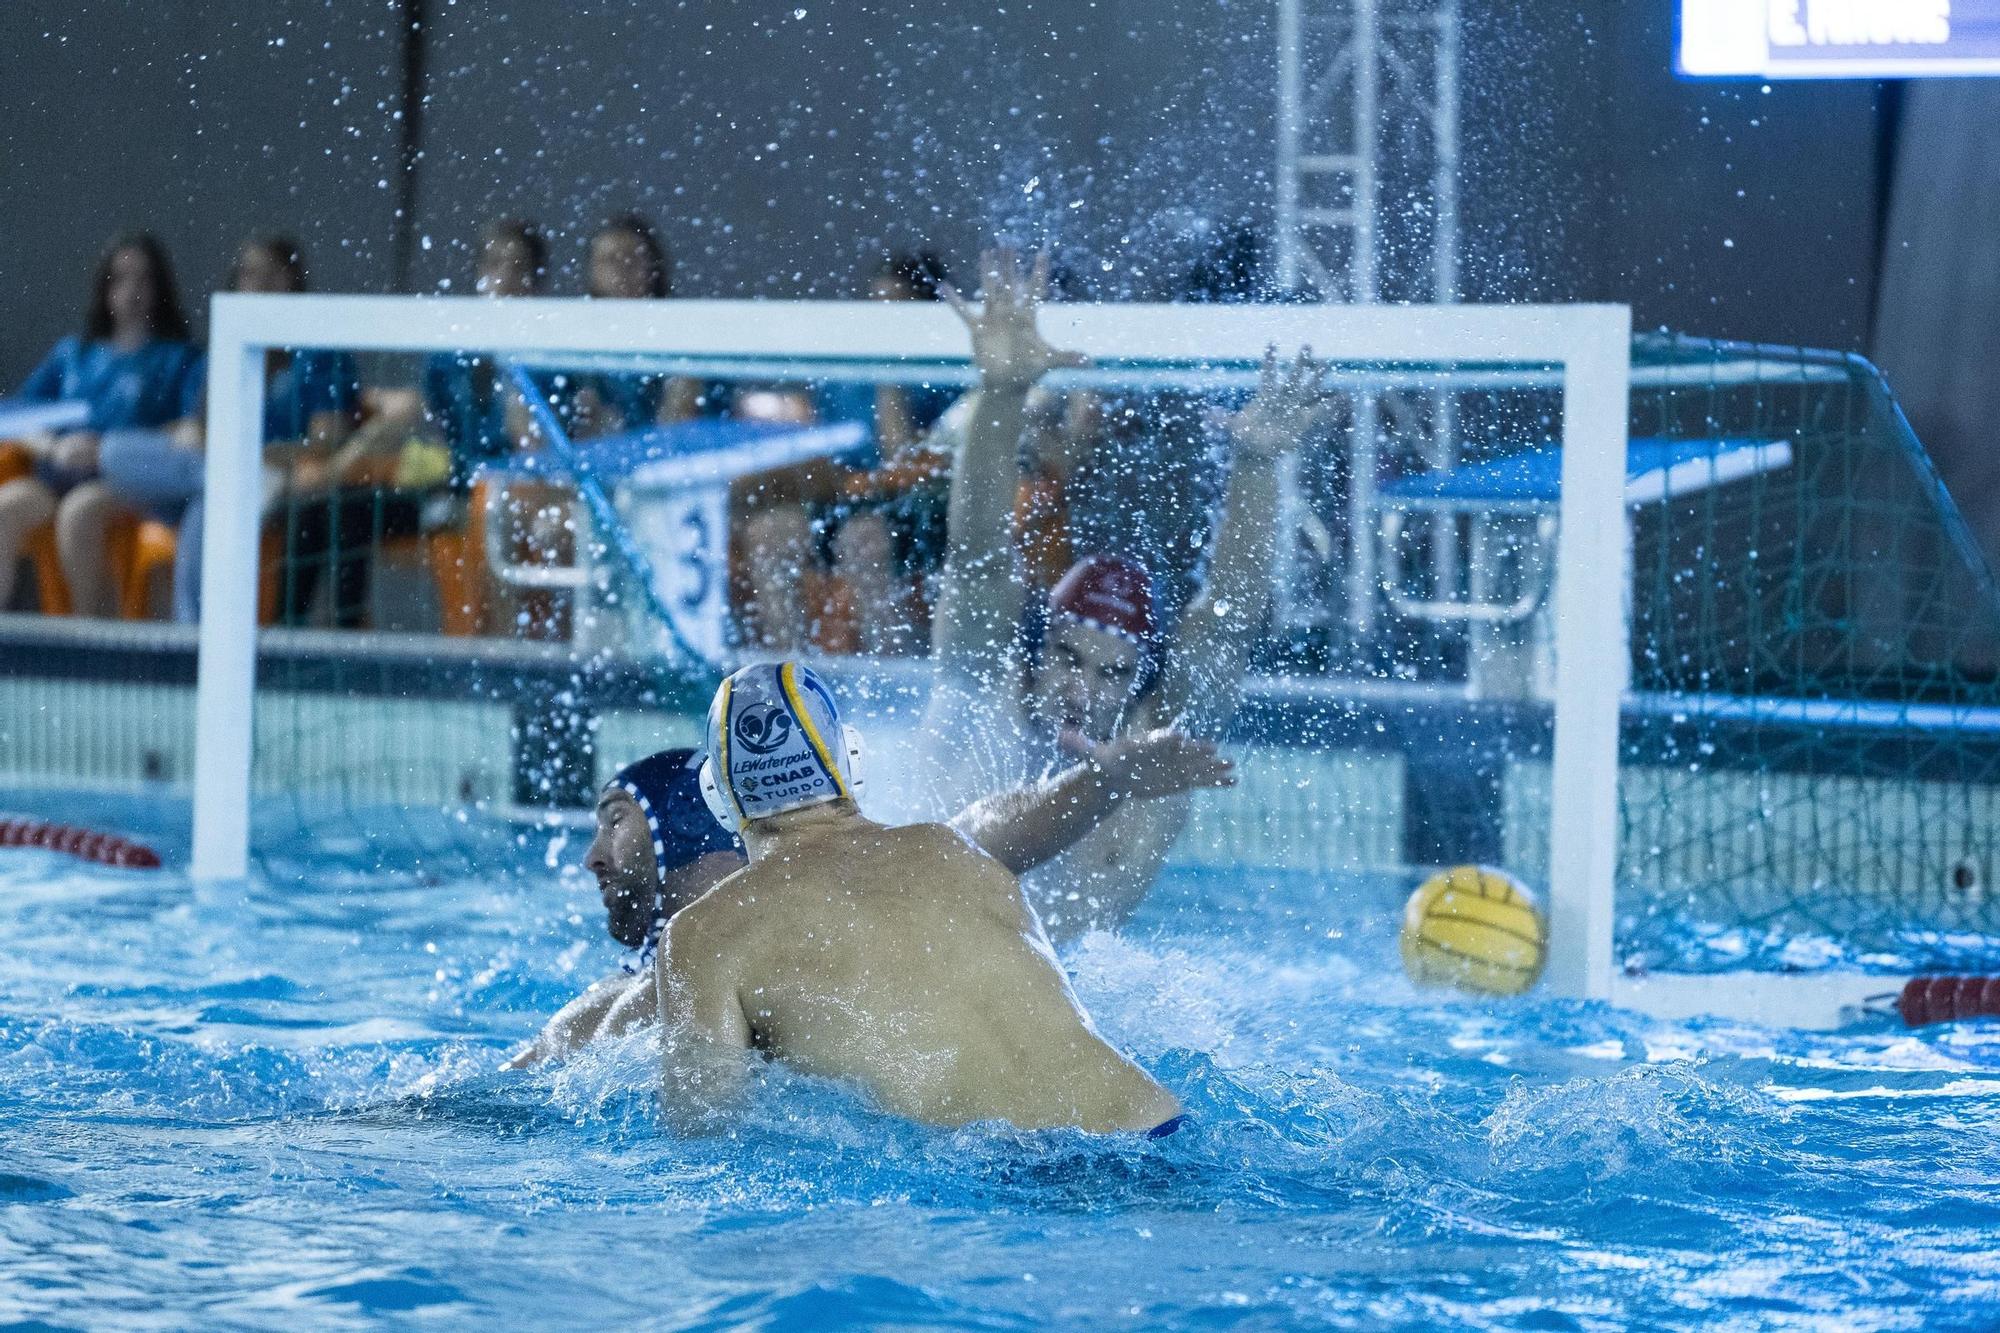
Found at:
[658, 849]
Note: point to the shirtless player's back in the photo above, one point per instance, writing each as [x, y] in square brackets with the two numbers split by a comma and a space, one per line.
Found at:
[900, 959]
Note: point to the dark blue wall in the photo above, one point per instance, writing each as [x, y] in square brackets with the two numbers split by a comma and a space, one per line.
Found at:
[193, 121]
[779, 152]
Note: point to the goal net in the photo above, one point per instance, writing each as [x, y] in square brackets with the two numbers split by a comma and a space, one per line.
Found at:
[1725, 697]
[616, 558]
[1811, 757]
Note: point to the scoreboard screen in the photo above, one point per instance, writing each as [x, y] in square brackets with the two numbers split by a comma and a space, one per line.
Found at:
[1838, 39]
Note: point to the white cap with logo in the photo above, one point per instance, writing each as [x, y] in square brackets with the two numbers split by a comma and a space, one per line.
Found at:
[776, 743]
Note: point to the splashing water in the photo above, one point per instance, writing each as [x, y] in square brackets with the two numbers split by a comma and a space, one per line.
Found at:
[281, 1103]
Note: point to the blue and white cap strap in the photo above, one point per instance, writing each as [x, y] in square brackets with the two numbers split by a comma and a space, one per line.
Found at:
[641, 958]
[645, 804]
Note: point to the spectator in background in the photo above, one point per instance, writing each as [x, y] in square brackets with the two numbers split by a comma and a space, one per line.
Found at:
[464, 414]
[624, 261]
[411, 465]
[1233, 269]
[883, 525]
[481, 417]
[310, 401]
[136, 368]
[628, 262]
[900, 413]
[889, 534]
[484, 418]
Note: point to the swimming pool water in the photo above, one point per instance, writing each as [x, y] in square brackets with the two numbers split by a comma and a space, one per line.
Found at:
[280, 1105]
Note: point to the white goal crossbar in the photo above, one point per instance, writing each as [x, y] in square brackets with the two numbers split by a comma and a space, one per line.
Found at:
[1588, 346]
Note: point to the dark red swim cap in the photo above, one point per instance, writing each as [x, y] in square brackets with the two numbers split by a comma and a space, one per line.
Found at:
[1110, 593]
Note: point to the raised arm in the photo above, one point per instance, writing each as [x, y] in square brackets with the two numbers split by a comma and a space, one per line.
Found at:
[1028, 826]
[704, 1032]
[576, 1024]
[979, 600]
[1205, 665]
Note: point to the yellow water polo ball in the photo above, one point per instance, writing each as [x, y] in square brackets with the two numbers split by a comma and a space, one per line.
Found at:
[1475, 928]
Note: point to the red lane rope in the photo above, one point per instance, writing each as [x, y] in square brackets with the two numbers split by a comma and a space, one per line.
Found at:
[1946, 999]
[104, 848]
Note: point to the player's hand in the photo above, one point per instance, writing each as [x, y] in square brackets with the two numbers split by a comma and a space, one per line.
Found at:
[308, 476]
[76, 451]
[1158, 763]
[1007, 348]
[590, 415]
[1290, 401]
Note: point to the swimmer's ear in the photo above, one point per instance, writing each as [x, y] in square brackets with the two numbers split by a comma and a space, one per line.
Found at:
[717, 800]
[857, 780]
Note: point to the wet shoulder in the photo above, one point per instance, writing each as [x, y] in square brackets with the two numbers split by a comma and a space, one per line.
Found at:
[963, 871]
[724, 914]
[940, 840]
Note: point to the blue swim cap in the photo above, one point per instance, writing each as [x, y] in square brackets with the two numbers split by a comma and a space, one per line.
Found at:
[776, 743]
[667, 789]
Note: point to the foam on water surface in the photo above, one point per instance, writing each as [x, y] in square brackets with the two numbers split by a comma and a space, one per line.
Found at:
[232, 1108]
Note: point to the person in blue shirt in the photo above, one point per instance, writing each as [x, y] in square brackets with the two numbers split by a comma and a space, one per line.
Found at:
[900, 414]
[625, 262]
[311, 400]
[483, 418]
[470, 400]
[480, 416]
[133, 365]
[882, 530]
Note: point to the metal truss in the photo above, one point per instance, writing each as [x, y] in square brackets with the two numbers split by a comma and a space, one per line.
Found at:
[1367, 211]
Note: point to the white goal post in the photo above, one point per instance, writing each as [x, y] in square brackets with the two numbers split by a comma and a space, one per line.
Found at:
[1584, 348]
